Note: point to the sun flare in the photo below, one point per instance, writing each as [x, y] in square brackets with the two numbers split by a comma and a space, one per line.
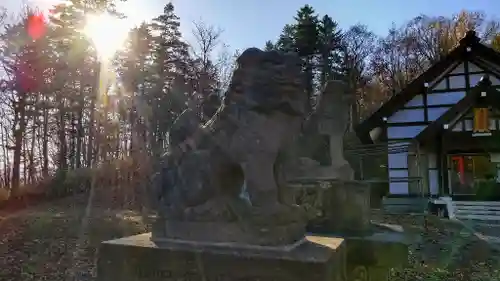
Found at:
[107, 33]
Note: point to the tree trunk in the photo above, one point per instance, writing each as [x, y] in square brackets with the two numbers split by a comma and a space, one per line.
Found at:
[79, 138]
[63, 148]
[6, 157]
[31, 163]
[18, 132]
[45, 136]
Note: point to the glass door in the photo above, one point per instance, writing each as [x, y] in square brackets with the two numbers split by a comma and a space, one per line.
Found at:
[467, 170]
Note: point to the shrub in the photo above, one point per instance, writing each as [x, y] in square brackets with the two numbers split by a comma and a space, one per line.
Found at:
[65, 183]
[487, 190]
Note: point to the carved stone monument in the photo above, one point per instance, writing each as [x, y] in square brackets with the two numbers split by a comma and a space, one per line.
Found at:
[330, 120]
[203, 174]
[205, 229]
[344, 203]
[333, 120]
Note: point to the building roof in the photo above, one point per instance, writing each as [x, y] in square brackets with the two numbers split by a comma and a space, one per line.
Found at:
[472, 99]
[469, 47]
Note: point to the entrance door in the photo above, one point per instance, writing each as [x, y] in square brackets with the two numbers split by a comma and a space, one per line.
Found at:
[467, 170]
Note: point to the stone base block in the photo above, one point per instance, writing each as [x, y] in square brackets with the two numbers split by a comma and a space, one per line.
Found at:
[387, 249]
[230, 233]
[137, 258]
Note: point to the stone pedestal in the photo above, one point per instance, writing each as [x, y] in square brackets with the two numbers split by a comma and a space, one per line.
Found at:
[345, 207]
[230, 233]
[137, 258]
[381, 251]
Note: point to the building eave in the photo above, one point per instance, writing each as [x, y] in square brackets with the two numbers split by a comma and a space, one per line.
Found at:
[427, 136]
[469, 45]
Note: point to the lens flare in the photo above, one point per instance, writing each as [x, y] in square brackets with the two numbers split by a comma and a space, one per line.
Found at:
[107, 33]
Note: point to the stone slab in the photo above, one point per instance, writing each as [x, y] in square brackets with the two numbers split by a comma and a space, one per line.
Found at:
[235, 233]
[382, 249]
[137, 258]
[348, 208]
[345, 206]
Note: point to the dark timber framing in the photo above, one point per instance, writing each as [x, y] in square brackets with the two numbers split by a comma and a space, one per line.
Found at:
[446, 99]
[469, 49]
[472, 98]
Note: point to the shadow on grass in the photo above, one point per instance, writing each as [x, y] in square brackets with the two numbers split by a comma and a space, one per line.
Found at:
[50, 244]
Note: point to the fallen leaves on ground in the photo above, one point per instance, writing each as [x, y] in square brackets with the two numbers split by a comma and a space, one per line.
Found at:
[446, 251]
[48, 243]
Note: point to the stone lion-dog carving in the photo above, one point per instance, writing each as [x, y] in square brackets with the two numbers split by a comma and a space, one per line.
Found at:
[204, 173]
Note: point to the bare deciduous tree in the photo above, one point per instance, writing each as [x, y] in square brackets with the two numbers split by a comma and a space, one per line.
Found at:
[357, 43]
[215, 60]
[207, 39]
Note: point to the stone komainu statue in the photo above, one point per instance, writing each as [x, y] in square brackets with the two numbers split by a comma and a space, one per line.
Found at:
[204, 172]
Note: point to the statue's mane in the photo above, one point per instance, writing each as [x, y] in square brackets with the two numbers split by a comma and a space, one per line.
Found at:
[267, 81]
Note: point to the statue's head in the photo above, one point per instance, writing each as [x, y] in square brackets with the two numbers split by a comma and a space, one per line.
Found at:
[268, 81]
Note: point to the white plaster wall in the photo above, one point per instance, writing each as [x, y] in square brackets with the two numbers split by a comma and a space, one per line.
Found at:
[474, 79]
[398, 160]
[459, 69]
[468, 125]
[400, 188]
[448, 98]
[433, 182]
[434, 113]
[492, 124]
[494, 81]
[441, 85]
[457, 82]
[458, 127]
[404, 132]
[398, 174]
[416, 101]
[407, 115]
[474, 68]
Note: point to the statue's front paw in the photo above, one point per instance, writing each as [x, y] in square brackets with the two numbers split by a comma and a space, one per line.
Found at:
[278, 214]
[212, 210]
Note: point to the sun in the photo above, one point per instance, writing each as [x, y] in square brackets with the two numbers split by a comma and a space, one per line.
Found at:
[107, 33]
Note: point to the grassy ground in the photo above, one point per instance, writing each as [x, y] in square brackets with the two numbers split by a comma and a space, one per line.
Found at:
[59, 241]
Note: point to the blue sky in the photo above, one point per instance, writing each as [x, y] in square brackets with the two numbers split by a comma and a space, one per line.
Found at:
[252, 22]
